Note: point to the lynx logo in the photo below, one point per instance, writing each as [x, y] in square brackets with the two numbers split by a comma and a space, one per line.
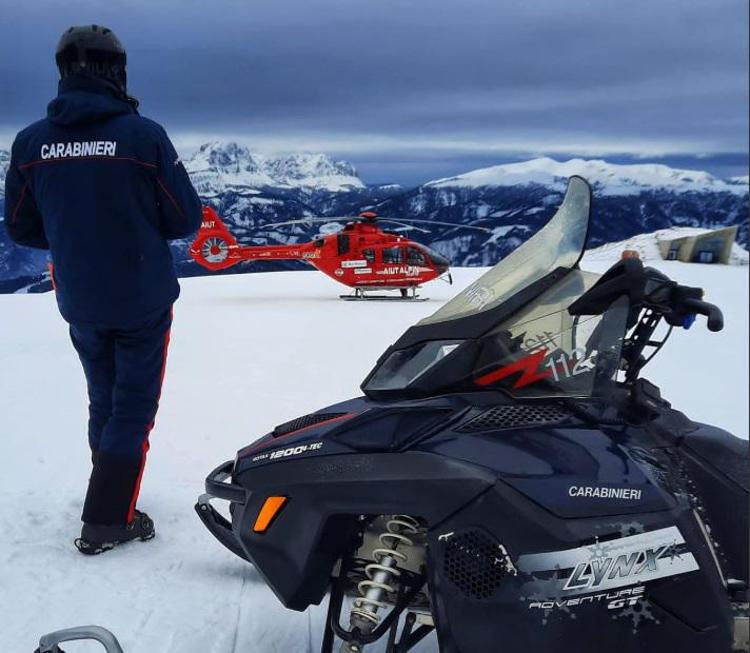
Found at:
[603, 566]
[594, 574]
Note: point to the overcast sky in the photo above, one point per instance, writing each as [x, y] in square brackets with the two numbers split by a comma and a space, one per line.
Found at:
[413, 89]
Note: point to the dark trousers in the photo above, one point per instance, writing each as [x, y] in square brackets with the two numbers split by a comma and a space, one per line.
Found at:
[124, 372]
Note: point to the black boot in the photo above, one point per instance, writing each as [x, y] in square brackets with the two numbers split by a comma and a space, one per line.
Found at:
[97, 538]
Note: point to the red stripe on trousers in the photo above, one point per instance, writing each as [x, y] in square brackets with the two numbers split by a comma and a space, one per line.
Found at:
[145, 446]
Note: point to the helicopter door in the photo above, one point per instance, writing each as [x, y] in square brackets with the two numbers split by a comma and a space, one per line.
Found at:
[392, 255]
[342, 241]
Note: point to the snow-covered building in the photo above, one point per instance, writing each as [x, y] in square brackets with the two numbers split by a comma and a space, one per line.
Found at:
[710, 247]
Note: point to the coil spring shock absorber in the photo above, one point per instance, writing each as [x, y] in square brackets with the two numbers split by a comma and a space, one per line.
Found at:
[383, 573]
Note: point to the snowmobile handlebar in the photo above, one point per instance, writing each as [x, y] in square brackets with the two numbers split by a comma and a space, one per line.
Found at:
[653, 297]
[711, 311]
[678, 304]
[647, 288]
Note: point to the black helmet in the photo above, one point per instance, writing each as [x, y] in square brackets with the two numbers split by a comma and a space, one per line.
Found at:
[94, 51]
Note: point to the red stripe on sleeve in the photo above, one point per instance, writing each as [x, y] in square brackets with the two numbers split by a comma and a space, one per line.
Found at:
[18, 204]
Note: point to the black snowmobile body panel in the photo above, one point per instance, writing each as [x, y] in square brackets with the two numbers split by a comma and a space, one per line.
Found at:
[325, 496]
[478, 483]
[716, 466]
[531, 611]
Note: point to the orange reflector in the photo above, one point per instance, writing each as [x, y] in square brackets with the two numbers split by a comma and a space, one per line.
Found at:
[270, 509]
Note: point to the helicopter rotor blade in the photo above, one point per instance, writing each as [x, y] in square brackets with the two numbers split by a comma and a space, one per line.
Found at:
[448, 224]
[305, 221]
[405, 224]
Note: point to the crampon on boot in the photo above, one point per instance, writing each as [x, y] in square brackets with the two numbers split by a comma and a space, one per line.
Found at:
[97, 538]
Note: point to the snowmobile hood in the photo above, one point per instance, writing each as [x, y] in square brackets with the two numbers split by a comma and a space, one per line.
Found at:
[81, 100]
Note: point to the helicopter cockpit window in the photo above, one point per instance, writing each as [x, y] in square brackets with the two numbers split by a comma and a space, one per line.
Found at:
[318, 242]
[369, 255]
[392, 255]
[438, 259]
[415, 257]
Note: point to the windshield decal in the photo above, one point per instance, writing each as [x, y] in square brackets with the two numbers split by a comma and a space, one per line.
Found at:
[528, 365]
[479, 296]
[533, 368]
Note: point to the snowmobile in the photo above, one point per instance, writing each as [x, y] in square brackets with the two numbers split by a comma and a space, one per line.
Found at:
[508, 481]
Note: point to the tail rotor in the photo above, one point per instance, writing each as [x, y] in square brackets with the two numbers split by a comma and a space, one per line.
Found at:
[214, 248]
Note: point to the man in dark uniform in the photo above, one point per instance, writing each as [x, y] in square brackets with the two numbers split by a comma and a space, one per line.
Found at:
[102, 188]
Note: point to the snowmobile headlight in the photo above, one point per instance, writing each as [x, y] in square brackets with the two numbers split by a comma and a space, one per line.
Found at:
[268, 512]
[405, 366]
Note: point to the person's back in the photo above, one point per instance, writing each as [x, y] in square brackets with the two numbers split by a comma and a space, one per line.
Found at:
[102, 188]
[110, 191]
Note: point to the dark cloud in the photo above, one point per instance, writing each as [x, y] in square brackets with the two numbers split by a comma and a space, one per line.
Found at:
[427, 82]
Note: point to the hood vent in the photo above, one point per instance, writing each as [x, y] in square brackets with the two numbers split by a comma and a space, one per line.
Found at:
[513, 416]
[304, 422]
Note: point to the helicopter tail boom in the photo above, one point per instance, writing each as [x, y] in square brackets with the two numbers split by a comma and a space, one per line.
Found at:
[271, 253]
[215, 248]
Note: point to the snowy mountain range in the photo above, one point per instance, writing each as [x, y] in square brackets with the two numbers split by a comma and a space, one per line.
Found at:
[250, 189]
[220, 167]
[515, 199]
[609, 179]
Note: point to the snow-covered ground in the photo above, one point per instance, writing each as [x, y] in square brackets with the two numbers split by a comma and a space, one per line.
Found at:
[248, 352]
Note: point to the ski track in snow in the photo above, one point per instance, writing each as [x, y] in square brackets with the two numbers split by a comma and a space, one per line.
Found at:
[247, 352]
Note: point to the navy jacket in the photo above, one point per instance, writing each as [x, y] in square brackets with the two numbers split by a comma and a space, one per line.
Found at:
[102, 188]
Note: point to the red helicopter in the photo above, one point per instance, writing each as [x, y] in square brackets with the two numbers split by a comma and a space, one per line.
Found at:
[361, 255]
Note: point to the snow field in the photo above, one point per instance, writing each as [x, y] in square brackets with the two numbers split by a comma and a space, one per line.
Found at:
[248, 352]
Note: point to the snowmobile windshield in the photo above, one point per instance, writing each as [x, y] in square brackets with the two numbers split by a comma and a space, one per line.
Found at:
[502, 333]
[539, 351]
[559, 244]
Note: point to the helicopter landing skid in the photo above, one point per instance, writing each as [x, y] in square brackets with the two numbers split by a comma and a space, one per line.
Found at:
[406, 295]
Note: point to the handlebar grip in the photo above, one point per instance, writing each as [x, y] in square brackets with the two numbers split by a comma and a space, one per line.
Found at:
[712, 312]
